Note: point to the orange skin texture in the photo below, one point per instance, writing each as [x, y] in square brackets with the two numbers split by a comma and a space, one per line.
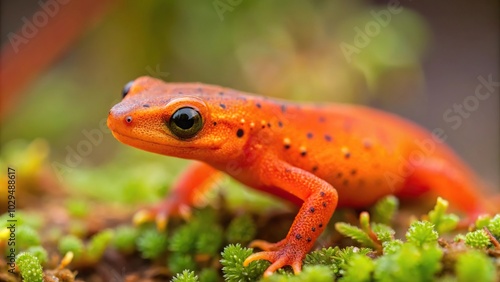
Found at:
[316, 156]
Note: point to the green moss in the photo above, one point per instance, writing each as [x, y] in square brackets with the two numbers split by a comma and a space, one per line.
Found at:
[185, 276]
[482, 221]
[40, 253]
[26, 237]
[202, 235]
[77, 208]
[421, 232]
[29, 267]
[409, 262]
[316, 273]
[383, 211]
[358, 269]
[125, 238]
[334, 258]
[478, 239]
[152, 243]
[71, 243]
[232, 265]
[209, 275]
[474, 266]
[98, 244]
[178, 262]
[494, 226]
[241, 229]
[442, 221]
[384, 233]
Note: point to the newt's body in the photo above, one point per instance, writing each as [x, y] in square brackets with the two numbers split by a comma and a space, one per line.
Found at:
[316, 156]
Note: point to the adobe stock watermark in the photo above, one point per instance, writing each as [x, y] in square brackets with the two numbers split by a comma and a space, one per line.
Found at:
[364, 36]
[40, 19]
[84, 148]
[157, 72]
[223, 6]
[453, 116]
[92, 138]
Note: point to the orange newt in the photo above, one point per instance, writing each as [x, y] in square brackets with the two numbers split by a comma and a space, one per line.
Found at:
[316, 156]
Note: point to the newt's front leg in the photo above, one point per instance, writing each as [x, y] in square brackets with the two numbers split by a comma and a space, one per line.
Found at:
[320, 201]
[186, 192]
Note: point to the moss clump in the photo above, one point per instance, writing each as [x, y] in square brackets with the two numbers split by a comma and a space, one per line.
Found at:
[152, 243]
[421, 232]
[29, 267]
[125, 238]
[232, 264]
[241, 229]
[71, 243]
[185, 276]
[477, 239]
[474, 266]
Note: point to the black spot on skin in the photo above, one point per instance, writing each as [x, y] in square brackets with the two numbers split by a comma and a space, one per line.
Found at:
[314, 169]
[258, 105]
[215, 123]
[298, 236]
[263, 126]
[240, 133]
[321, 119]
[346, 182]
[283, 108]
[222, 106]
[339, 175]
[287, 146]
[311, 209]
[145, 106]
[347, 155]
[313, 229]
[322, 194]
[353, 172]
[280, 124]
[328, 138]
[221, 93]
[269, 125]
[180, 92]
[309, 240]
[320, 225]
[287, 170]
[324, 204]
[199, 89]
[303, 153]
[309, 135]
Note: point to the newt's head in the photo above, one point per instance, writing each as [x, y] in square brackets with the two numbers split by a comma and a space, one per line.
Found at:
[173, 119]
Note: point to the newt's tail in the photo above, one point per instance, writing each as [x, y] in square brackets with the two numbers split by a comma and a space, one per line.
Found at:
[458, 187]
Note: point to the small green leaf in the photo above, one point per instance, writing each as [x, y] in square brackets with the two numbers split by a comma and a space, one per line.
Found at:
[355, 233]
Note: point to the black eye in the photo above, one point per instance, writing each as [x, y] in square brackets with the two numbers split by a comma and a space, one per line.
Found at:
[126, 88]
[185, 123]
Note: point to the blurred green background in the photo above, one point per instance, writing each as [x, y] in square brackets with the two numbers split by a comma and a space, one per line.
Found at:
[420, 63]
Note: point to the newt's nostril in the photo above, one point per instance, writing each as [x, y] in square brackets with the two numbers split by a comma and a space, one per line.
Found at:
[128, 119]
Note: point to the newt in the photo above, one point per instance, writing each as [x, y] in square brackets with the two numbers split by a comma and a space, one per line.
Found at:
[319, 157]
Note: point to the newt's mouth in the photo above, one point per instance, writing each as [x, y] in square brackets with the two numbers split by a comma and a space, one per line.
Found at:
[144, 144]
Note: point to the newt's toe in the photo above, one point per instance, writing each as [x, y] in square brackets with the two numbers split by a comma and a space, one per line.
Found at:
[278, 260]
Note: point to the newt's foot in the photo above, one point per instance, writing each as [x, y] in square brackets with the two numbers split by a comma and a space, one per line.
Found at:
[162, 212]
[279, 254]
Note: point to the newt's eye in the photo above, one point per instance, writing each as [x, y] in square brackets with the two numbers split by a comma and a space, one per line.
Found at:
[126, 88]
[185, 123]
